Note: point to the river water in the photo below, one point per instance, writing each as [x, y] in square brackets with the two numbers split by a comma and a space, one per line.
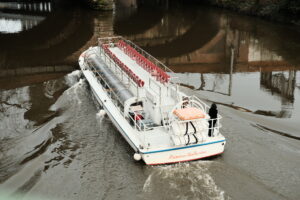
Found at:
[56, 144]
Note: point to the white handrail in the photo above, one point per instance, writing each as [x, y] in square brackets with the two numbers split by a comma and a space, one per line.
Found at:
[115, 39]
[149, 56]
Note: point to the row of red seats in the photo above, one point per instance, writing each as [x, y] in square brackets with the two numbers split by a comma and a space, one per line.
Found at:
[130, 73]
[161, 75]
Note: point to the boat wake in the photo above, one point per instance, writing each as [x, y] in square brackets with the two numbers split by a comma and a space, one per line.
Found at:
[73, 77]
[101, 114]
[75, 141]
[183, 181]
[29, 148]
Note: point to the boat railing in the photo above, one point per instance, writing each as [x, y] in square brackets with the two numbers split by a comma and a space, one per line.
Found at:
[101, 80]
[195, 100]
[110, 91]
[192, 101]
[213, 124]
[149, 57]
[109, 40]
[116, 68]
[114, 40]
[139, 124]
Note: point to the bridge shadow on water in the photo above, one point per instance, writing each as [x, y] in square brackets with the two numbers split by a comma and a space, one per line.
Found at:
[49, 125]
[48, 41]
[55, 32]
[43, 40]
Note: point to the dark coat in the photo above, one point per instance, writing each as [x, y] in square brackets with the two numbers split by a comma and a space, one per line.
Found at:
[213, 111]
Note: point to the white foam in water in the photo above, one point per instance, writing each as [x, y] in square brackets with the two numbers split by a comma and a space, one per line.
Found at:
[52, 86]
[298, 79]
[72, 80]
[15, 103]
[76, 87]
[69, 95]
[184, 181]
[146, 187]
[72, 77]
[101, 113]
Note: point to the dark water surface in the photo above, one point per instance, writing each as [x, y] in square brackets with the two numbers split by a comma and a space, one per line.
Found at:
[55, 144]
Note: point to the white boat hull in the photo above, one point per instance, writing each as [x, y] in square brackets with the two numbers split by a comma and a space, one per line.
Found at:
[103, 99]
[162, 153]
[174, 155]
[182, 154]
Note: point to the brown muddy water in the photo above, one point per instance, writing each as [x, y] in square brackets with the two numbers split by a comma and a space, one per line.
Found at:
[54, 144]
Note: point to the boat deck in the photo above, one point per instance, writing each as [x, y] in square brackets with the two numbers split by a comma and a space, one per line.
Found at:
[156, 138]
[144, 75]
[156, 135]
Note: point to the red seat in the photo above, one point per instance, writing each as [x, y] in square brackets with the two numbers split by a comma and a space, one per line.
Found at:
[141, 83]
[135, 55]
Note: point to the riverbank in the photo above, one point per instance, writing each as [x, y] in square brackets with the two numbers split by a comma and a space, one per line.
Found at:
[286, 11]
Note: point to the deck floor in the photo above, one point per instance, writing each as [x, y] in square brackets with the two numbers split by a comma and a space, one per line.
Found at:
[142, 73]
[157, 137]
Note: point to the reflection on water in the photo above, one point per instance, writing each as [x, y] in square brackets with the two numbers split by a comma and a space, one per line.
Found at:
[10, 26]
[13, 19]
[236, 61]
[27, 6]
[261, 77]
[282, 83]
[48, 32]
[275, 96]
[187, 39]
[15, 24]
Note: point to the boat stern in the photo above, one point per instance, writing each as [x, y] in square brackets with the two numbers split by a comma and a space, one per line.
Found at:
[185, 153]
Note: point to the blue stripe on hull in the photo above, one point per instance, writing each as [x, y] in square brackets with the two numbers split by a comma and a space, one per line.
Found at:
[186, 147]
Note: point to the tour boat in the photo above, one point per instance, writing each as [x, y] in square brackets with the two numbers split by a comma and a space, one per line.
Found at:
[138, 93]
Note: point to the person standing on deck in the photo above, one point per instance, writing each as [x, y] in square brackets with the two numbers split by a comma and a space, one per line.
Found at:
[213, 113]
